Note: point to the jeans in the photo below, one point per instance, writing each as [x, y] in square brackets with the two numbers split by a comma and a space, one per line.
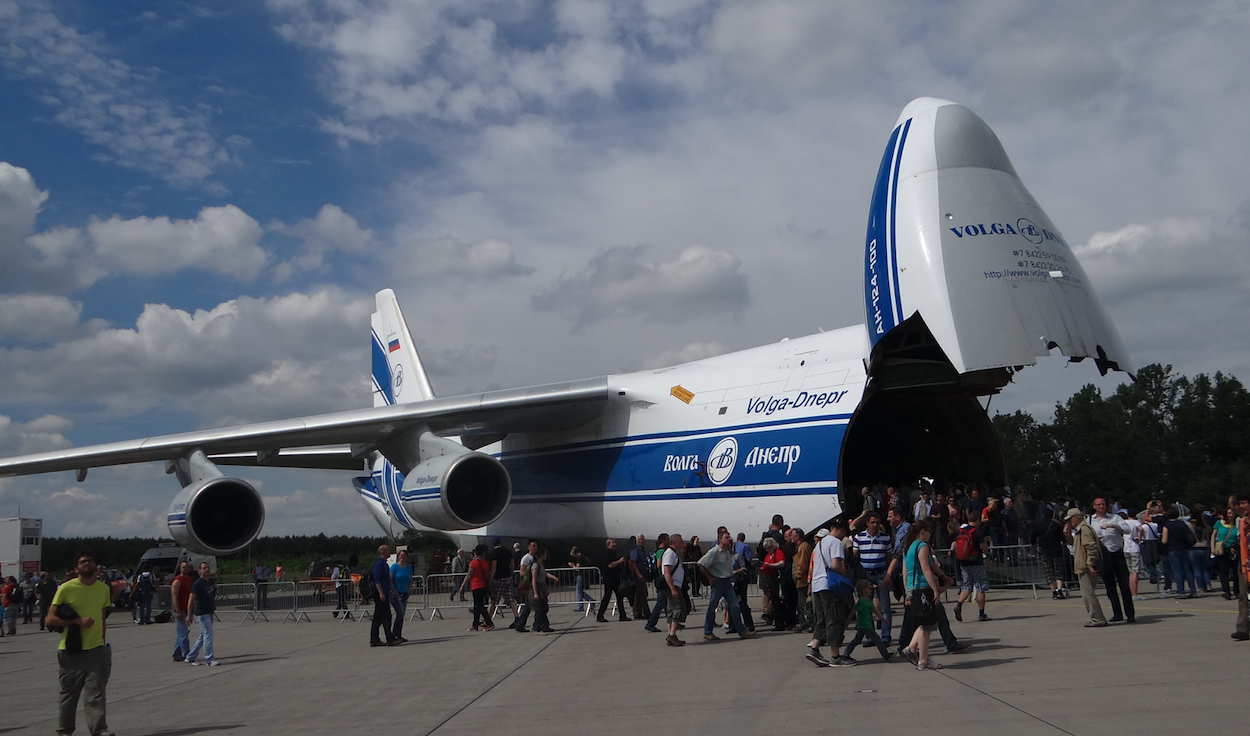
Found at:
[87, 674]
[1182, 571]
[205, 641]
[400, 604]
[340, 593]
[182, 636]
[882, 594]
[661, 605]
[144, 604]
[722, 588]
[262, 594]
[1229, 569]
[540, 614]
[381, 621]
[1198, 558]
[582, 595]
[873, 640]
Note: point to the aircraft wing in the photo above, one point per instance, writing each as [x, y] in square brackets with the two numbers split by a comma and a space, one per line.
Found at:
[343, 439]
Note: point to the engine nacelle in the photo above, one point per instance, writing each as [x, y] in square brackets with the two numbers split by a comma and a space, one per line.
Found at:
[457, 491]
[216, 516]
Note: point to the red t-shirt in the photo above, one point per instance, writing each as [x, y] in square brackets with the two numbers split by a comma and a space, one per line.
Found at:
[479, 574]
[184, 593]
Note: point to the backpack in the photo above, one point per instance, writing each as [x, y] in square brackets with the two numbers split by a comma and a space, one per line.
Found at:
[966, 549]
[145, 584]
[367, 592]
[647, 568]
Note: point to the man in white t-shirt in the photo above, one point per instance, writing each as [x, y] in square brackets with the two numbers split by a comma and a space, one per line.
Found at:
[831, 610]
[674, 576]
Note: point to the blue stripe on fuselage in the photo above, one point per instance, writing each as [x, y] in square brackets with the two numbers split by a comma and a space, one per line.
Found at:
[895, 292]
[381, 370]
[778, 454]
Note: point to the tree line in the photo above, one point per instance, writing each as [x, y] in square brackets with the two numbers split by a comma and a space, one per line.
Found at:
[1163, 436]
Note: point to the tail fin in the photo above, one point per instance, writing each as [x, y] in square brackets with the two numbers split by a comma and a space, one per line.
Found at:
[398, 376]
[956, 244]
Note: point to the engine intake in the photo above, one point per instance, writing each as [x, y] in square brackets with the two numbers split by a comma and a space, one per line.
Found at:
[217, 516]
[457, 491]
[213, 515]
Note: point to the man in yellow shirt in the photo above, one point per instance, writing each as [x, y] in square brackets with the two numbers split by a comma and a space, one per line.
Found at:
[79, 607]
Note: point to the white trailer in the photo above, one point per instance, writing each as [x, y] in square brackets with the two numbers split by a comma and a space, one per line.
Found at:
[21, 546]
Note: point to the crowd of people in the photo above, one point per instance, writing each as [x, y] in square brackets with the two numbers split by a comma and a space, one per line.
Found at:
[848, 574]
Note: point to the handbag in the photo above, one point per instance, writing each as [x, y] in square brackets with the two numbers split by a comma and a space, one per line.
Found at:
[923, 610]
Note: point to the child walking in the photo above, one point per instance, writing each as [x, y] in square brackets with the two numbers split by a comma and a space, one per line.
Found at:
[867, 610]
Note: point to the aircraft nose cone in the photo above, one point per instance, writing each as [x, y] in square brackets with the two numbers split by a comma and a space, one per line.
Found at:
[963, 140]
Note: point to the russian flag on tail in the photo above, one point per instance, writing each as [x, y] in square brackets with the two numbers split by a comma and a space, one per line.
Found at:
[392, 346]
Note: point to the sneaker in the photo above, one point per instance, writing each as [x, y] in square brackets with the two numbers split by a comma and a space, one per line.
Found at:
[816, 658]
[1240, 636]
[983, 617]
[541, 632]
[193, 663]
[728, 628]
[484, 628]
[930, 665]
[913, 657]
[959, 647]
[178, 658]
[848, 662]
[474, 628]
[652, 629]
[711, 637]
[841, 661]
[1140, 598]
[212, 663]
[888, 656]
[747, 634]
[959, 612]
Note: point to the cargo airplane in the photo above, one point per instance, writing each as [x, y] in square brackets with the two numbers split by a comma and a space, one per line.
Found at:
[966, 281]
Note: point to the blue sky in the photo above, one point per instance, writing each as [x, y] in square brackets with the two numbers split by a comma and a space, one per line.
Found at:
[198, 202]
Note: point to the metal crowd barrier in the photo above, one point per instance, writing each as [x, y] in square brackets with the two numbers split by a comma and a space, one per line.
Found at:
[1008, 566]
[440, 589]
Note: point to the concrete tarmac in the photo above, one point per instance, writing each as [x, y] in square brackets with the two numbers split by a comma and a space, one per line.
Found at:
[1033, 669]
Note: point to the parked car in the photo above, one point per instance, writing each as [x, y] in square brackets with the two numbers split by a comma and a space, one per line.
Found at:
[119, 586]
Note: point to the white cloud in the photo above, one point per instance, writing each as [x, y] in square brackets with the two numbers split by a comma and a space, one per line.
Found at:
[449, 257]
[244, 360]
[39, 318]
[38, 435]
[331, 230]
[220, 239]
[103, 99]
[618, 281]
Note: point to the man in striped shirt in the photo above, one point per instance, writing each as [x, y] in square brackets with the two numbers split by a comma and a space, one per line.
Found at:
[873, 546]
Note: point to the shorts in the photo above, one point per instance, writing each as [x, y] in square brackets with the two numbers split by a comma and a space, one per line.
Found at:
[1133, 560]
[677, 609]
[501, 589]
[1054, 568]
[973, 579]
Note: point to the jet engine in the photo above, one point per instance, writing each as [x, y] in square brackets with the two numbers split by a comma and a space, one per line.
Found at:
[454, 488]
[213, 514]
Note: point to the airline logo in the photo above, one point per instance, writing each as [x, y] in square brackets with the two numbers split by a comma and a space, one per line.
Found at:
[721, 461]
[1023, 227]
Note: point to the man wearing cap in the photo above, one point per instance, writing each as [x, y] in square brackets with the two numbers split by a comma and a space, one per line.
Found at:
[1086, 559]
[832, 610]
